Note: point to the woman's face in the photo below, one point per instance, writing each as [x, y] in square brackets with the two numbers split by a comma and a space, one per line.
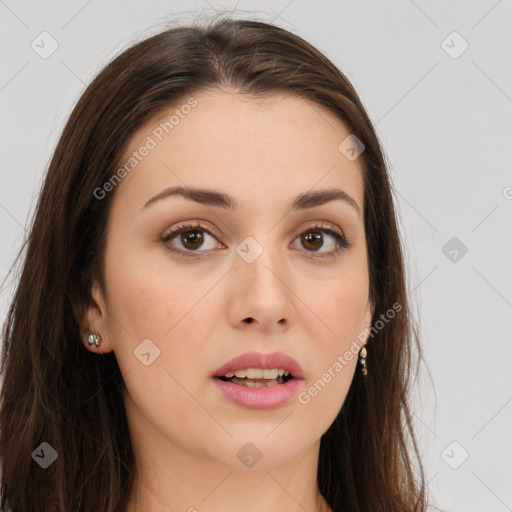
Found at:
[247, 277]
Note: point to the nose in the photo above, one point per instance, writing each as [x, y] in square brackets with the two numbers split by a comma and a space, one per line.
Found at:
[262, 294]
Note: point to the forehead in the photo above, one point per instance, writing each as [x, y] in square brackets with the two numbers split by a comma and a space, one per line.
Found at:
[259, 148]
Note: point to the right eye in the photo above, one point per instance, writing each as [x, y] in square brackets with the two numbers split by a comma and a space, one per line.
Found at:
[190, 237]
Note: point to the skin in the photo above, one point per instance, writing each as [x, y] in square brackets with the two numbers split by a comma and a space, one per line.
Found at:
[186, 436]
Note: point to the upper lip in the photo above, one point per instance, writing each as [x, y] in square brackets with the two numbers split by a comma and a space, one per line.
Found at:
[263, 361]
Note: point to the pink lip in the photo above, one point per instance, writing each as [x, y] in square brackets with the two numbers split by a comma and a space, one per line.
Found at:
[263, 361]
[264, 397]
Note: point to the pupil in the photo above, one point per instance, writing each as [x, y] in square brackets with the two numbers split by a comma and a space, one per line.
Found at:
[313, 239]
[192, 237]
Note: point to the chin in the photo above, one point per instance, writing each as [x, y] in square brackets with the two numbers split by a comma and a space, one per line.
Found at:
[259, 450]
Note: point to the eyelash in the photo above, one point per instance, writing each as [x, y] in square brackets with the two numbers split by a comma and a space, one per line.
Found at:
[342, 241]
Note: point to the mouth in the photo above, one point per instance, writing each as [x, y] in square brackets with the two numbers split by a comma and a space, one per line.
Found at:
[259, 381]
[258, 377]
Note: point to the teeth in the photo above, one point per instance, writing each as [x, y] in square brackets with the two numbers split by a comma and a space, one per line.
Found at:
[252, 384]
[258, 373]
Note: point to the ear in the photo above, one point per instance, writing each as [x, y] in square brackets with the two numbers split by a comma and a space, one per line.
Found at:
[93, 318]
[367, 318]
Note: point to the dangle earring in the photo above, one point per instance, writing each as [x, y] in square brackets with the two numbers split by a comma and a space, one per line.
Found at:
[94, 339]
[362, 360]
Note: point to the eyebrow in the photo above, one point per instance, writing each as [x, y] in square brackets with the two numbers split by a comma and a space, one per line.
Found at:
[222, 200]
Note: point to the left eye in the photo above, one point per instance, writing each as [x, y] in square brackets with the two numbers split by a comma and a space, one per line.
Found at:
[313, 238]
[192, 238]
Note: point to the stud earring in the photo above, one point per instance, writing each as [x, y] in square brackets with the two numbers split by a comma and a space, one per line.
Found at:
[94, 339]
[362, 359]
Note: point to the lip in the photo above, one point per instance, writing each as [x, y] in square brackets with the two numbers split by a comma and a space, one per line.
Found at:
[263, 361]
[264, 397]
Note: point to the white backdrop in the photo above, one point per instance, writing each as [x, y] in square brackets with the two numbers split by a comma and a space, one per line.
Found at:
[437, 82]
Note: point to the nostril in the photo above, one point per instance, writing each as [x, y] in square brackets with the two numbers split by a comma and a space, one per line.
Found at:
[248, 320]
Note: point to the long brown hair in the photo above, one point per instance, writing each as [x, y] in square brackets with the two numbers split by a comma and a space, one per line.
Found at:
[56, 391]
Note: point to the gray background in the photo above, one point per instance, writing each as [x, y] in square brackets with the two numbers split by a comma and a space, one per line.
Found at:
[445, 124]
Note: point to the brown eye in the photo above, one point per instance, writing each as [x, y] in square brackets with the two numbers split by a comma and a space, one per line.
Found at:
[312, 240]
[192, 239]
[322, 241]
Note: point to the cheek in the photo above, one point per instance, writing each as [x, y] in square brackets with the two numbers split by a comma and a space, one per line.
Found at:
[339, 305]
[175, 313]
[175, 310]
[334, 358]
[337, 328]
[150, 301]
[324, 395]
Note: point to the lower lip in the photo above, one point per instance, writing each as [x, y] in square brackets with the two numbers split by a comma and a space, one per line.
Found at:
[268, 397]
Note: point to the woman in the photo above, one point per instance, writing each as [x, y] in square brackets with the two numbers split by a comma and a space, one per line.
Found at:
[212, 310]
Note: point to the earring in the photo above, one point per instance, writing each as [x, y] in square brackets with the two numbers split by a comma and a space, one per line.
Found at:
[362, 359]
[94, 339]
